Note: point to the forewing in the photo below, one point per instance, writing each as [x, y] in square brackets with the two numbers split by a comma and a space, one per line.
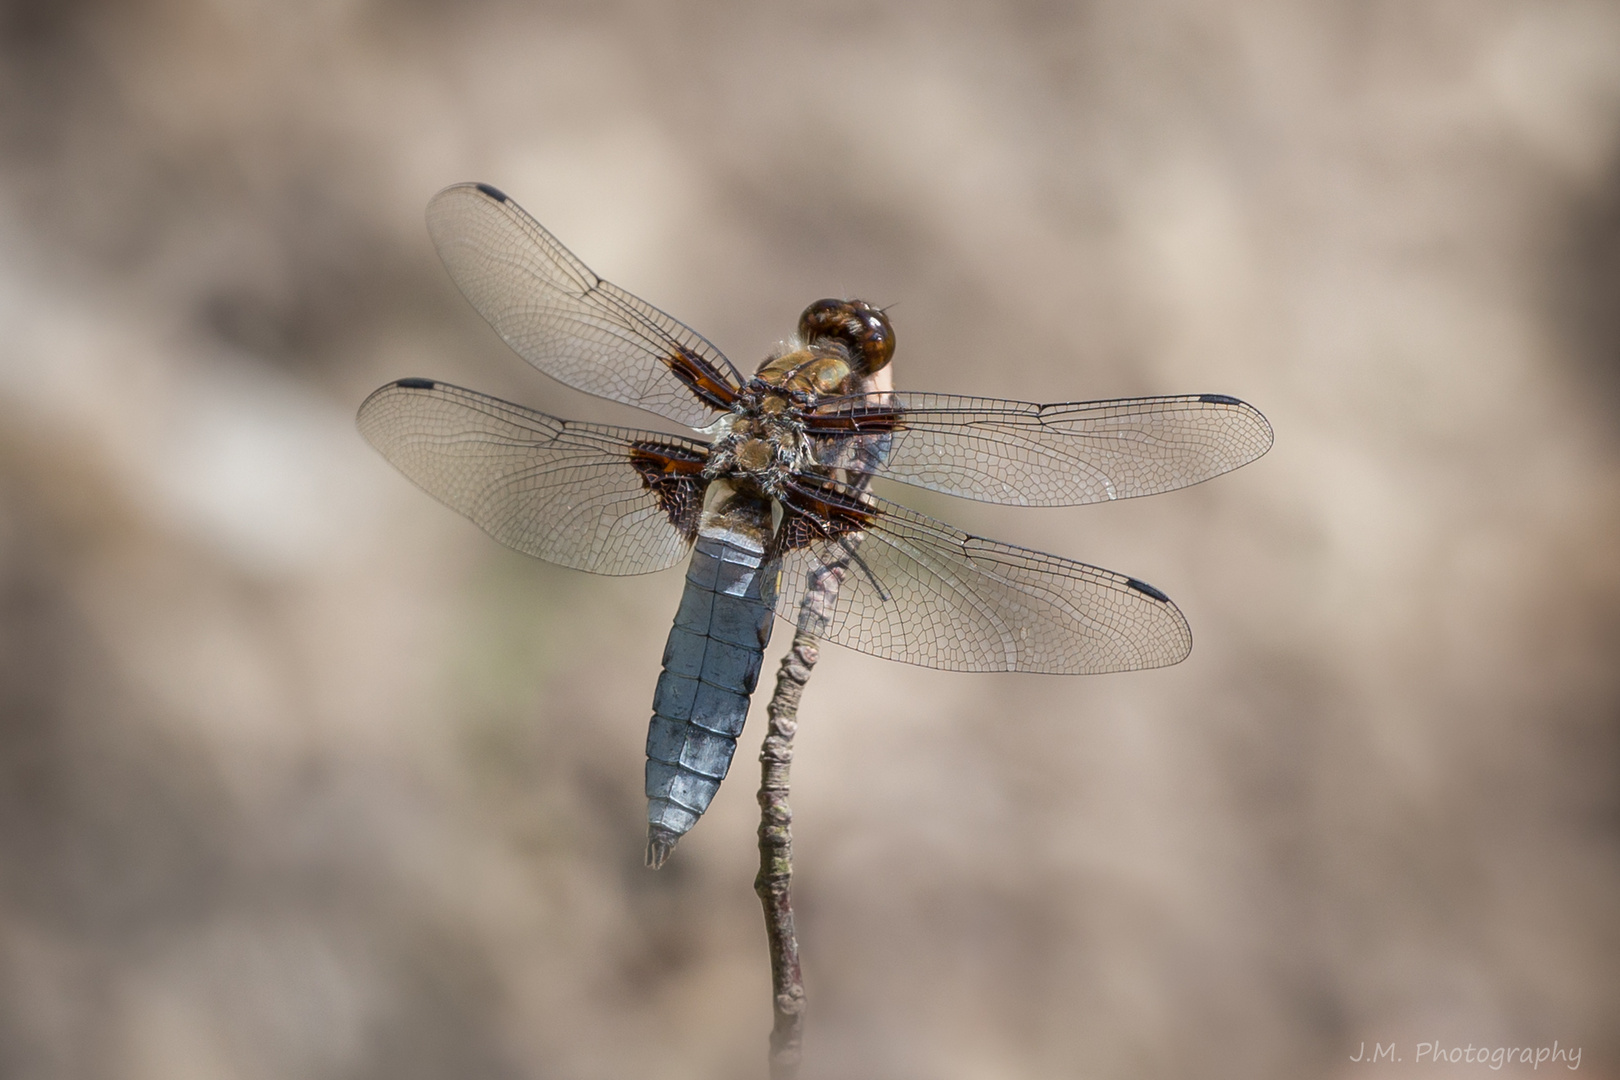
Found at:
[568, 322]
[919, 591]
[1041, 455]
[604, 499]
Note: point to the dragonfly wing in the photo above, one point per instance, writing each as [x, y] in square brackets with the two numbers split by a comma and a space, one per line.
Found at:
[605, 499]
[568, 322]
[1041, 455]
[922, 592]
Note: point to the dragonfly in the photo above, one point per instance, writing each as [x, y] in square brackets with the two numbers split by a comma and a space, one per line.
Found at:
[768, 500]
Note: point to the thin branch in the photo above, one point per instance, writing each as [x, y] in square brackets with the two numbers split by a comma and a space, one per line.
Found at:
[776, 818]
[776, 856]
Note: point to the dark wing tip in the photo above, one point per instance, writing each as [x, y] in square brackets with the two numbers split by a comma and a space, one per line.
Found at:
[415, 384]
[1254, 415]
[493, 192]
[1147, 590]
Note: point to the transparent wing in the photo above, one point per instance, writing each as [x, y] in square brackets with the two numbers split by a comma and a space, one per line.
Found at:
[919, 591]
[604, 499]
[568, 322]
[1042, 455]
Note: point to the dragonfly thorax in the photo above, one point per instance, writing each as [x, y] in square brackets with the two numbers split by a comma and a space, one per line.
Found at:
[817, 372]
[759, 443]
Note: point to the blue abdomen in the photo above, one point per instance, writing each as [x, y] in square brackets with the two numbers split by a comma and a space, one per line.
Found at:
[711, 665]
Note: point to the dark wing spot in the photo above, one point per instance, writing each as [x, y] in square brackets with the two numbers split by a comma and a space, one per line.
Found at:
[493, 192]
[861, 420]
[817, 511]
[674, 475]
[1218, 399]
[707, 384]
[414, 384]
[1147, 590]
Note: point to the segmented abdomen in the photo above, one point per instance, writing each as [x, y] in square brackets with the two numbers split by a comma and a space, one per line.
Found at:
[711, 665]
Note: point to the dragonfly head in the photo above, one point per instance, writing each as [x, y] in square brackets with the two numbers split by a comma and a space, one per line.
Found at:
[863, 330]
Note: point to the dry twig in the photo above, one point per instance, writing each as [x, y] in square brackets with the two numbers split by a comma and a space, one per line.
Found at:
[776, 818]
[776, 856]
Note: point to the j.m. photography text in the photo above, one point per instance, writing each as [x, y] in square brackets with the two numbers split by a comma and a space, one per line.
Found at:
[1491, 1057]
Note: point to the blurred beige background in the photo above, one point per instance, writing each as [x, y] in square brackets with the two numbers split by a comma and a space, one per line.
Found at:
[301, 776]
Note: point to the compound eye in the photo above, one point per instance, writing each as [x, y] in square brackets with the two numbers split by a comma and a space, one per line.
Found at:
[862, 329]
[822, 319]
[876, 339]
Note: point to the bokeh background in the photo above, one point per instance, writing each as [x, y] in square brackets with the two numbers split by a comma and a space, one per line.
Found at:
[301, 776]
